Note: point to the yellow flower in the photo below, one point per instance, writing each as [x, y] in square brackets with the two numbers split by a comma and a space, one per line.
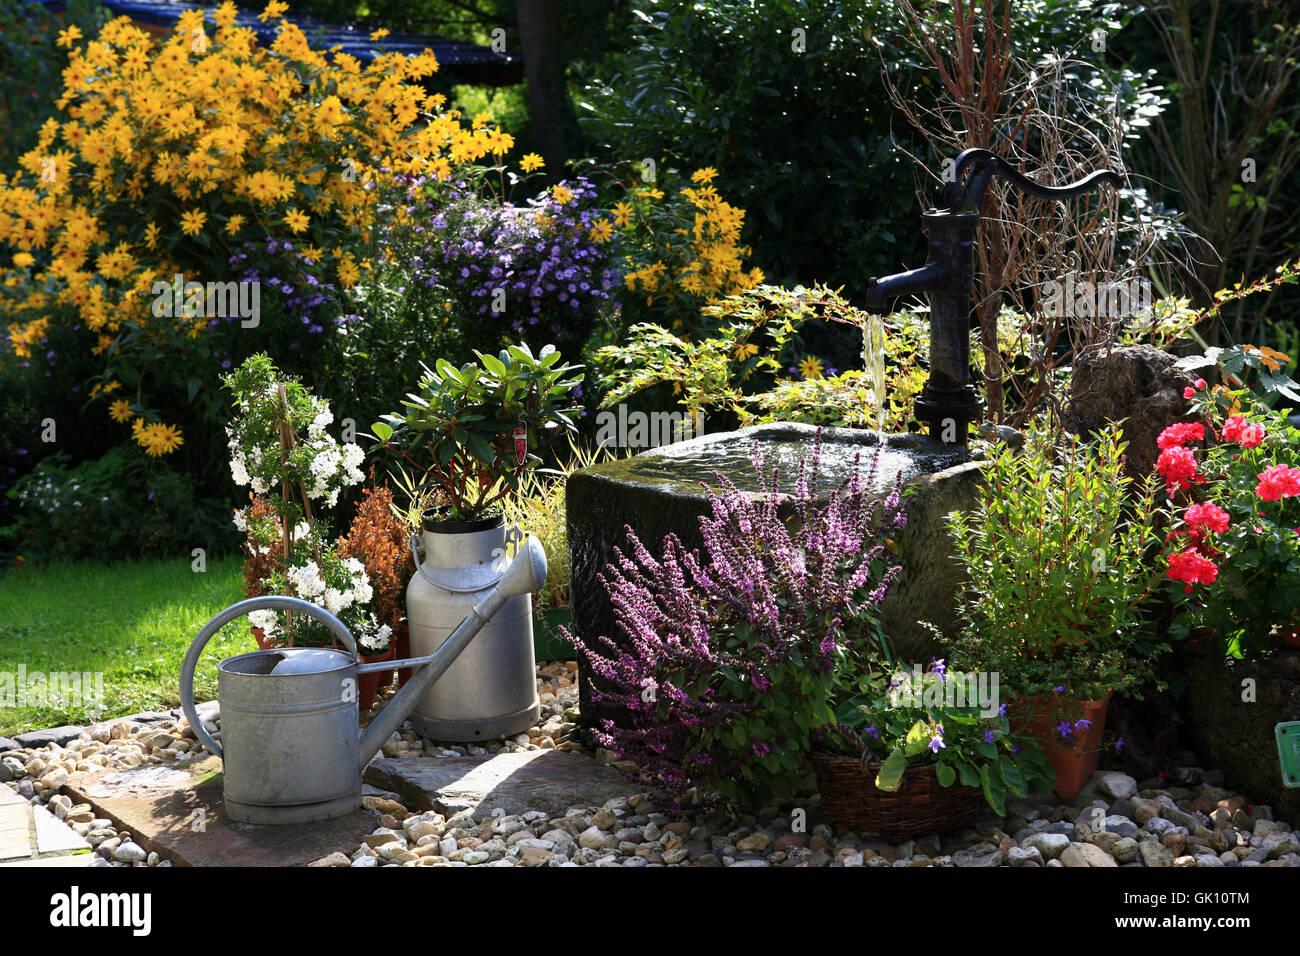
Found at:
[296, 221]
[348, 272]
[601, 231]
[23, 259]
[746, 350]
[561, 194]
[811, 367]
[380, 33]
[330, 113]
[622, 214]
[234, 224]
[192, 222]
[69, 36]
[531, 162]
[273, 9]
[158, 439]
[705, 175]
[120, 411]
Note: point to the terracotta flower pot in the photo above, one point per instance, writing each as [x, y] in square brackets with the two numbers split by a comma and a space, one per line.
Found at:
[263, 642]
[1074, 761]
[368, 684]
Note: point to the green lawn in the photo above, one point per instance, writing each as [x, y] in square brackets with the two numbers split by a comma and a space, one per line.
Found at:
[132, 622]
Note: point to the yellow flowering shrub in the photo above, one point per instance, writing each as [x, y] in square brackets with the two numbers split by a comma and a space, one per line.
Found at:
[683, 253]
[167, 156]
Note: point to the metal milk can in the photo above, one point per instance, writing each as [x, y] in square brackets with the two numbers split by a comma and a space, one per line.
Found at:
[491, 689]
[290, 721]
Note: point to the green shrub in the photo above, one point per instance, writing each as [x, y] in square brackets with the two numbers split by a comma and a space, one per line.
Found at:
[121, 505]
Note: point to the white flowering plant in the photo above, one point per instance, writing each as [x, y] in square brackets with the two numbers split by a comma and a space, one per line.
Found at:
[278, 440]
[316, 572]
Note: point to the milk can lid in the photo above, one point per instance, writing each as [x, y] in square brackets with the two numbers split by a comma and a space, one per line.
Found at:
[310, 660]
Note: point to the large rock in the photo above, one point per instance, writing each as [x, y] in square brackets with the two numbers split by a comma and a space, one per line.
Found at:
[1136, 385]
[6, 745]
[660, 492]
[53, 735]
[1236, 735]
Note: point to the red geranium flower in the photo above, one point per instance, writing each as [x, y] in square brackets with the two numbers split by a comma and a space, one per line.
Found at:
[1177, 466]
[1178, 434]
[1278, 481]
[1237, 429]
[1192, 568]
[1208, 514]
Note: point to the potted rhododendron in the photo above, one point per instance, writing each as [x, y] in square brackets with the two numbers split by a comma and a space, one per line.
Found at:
[1233, 551]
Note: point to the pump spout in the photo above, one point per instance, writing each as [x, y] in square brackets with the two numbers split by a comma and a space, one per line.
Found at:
[930, 277]
[526, 575]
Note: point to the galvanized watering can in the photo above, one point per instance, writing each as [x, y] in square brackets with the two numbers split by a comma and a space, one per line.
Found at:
[290, 723]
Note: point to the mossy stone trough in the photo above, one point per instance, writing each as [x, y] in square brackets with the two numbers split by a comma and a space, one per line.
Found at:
[660, 492]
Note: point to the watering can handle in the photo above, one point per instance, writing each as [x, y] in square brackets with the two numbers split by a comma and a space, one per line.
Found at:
[271, 602]
[513, 536]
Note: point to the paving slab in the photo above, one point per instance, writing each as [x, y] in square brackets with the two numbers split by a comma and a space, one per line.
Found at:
[548, 780]
[30, 833]
[179, 812]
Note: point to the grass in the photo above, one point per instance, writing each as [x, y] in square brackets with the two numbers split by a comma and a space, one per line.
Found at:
[131, 622]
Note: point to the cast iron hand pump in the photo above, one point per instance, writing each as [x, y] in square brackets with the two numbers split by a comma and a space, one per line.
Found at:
[949, 402]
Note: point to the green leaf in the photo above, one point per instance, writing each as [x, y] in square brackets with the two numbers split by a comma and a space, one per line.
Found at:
[994, 792]
[480, 448]
[969, 776]
[890, 777]
[918, 738]
[381, 431]
[946, 774]
[1011, 776]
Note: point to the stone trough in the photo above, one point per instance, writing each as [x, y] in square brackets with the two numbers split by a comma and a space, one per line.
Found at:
[660, 492]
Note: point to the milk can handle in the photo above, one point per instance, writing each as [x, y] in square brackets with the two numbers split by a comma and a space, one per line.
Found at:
[513, 536]
[271, 602]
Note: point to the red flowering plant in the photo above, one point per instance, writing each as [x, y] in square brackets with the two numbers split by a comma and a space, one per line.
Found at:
[1233, 550]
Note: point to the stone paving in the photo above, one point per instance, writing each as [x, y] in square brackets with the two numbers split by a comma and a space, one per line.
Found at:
[32, 836]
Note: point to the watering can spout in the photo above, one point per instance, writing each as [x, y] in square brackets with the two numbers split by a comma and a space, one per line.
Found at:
[526, 575]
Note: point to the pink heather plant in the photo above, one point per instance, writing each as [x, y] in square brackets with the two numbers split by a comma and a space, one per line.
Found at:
[728, 661]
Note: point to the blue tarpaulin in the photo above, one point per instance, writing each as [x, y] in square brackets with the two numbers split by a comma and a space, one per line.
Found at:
[466, 62]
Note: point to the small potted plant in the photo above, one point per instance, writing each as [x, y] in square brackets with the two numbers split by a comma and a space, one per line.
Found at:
[1233, 549]
[281, 449]
[729, 659]
[918, 751]
[317, 571]
[1056, 580]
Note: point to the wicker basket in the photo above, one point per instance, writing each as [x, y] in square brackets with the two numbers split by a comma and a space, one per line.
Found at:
[921, 805]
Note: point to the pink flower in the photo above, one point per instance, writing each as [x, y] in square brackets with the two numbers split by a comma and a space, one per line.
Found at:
[1237, 429]
[1277, 482]
[1177, 466]
[1178, 434]
[1191, 390]
[1210, 515]
[1192, 568]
